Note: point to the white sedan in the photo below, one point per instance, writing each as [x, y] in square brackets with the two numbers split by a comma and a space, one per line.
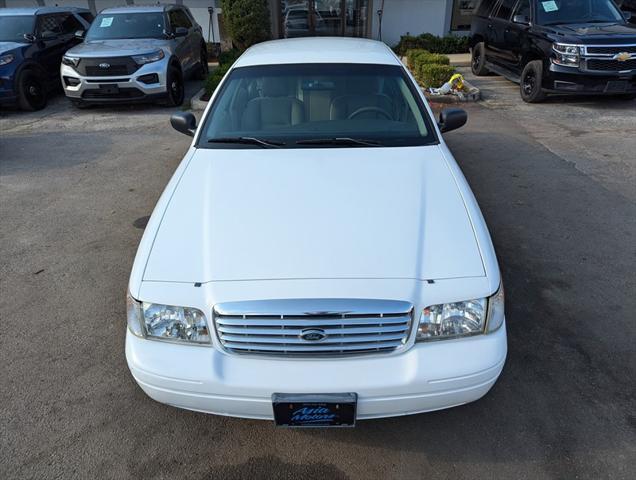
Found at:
[318, 256]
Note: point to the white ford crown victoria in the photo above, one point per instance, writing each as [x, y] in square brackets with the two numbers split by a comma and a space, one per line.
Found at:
[318, 256]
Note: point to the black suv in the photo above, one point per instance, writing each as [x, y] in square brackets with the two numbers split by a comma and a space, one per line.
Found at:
[32, 43]
[556, 46]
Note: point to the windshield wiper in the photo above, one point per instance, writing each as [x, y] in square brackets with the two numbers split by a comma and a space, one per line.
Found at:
[247, 140]
[340, 141]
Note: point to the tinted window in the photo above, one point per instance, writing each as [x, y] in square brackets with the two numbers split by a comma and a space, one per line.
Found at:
[505, 9]
[127, 25]
[88, 16]
[301, 102]
[13, 29]
[178, 18]
[49, 25]
[69, 23]
[485, 8]
[523, 8]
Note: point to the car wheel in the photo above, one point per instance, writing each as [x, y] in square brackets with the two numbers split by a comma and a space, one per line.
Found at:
[203, 71]
[478, 60]
[175, 87]
[531, 82]
[31, 91]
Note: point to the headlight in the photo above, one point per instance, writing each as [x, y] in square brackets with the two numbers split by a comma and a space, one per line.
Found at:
[70, 61]
[566, 55]
[167, 322]
[460, 319]
[148, 57]
[6, 59]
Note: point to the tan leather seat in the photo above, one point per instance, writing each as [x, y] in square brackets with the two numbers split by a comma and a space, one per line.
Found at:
[278, 107]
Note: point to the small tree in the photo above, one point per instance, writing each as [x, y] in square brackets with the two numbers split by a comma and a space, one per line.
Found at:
[247, 21]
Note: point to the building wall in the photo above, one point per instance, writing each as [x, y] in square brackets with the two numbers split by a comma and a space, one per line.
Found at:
[199, 9]
[411, 16]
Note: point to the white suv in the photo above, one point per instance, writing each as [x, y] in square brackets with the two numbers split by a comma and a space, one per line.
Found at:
[318, 256]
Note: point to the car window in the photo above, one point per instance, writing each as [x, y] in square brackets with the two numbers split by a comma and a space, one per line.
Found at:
[300, 102]
[523, 8]
[485, 7]
[69, 23]
[178, 18]
[127, 25]
[554, 12]
[13, 29]
[48, 25]
[505, 9]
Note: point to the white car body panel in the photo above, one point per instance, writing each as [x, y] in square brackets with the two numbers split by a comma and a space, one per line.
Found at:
[351, 223]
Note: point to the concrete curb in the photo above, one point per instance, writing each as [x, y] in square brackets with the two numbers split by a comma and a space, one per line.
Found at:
[196, 103]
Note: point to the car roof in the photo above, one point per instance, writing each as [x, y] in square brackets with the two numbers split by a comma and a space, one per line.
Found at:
[140, 8]
[318, 50]
[39, 10]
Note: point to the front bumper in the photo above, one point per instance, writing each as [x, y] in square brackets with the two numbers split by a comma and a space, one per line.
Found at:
[428, 376]
[7, 90]
[569, 80]
[129, 88]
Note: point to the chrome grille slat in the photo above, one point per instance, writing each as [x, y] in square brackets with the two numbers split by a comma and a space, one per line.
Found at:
[348, 327]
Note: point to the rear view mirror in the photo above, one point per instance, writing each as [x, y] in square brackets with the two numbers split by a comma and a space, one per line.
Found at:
[184, 122]
[80, 34]
[452, 119]
[523, 19]
[180, 32]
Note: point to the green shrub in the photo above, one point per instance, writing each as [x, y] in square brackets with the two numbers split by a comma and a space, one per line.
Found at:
[411, 54]
[427, 57]
[247, 21]
[229, 56]
[435, 75]
[215, 78]
[432, 43]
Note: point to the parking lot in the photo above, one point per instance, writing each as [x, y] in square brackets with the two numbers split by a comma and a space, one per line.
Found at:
[557, 185]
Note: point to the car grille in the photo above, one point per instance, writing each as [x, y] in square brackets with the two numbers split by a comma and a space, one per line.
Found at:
[121, 93]
[290, 327]
[611, 50]
[611, 65]
[117, 66]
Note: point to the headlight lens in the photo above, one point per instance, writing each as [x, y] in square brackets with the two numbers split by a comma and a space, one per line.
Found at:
[148, 57]
[566, 55]
[6, 59]
[167, 322]
[461, 319]
[70, 61]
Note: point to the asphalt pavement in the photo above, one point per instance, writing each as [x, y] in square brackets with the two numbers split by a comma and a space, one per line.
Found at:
[556, 185]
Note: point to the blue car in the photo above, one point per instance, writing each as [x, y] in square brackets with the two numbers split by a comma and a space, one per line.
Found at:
[32, 43]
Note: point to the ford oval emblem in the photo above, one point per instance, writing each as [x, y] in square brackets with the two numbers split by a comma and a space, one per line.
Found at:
[104, 65]
[313, 334]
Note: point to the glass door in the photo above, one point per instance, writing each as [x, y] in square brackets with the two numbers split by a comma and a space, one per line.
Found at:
[335, 18]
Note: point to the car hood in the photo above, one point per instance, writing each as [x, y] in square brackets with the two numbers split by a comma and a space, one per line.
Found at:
[249, 214]
[603, 33]
[6, 47]
[117, 48]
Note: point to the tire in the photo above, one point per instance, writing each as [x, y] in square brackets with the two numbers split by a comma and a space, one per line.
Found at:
[31, 91]
[531, 82]
[175, 88]
[478, 60]
[203, 70]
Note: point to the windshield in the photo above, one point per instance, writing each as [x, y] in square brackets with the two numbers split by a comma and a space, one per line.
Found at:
[317, 105]
[127, 25]
[12, 29]
[554, 12]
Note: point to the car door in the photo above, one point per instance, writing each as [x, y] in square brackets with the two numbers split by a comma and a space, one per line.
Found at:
[498, 51]
[183, 48]
[516, 36]
[70, 24]
[51, 43]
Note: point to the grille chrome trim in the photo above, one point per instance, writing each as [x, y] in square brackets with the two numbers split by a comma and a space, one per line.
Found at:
[351, 327]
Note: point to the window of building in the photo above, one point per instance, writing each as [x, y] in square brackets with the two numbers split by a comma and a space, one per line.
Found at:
[463, 11]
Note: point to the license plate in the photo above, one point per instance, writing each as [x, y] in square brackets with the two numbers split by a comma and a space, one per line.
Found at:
[315, 410]
[108, 89]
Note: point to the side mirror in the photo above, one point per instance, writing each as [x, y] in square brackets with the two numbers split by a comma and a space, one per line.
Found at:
[80, 34]
[184, 122]
[523, 19]
[627, 15]
[452, 119]
[180, 32]
[29, 37]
